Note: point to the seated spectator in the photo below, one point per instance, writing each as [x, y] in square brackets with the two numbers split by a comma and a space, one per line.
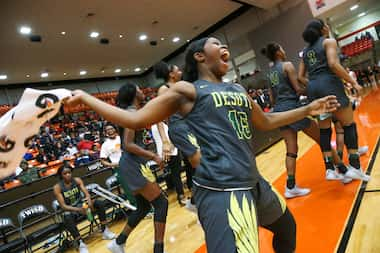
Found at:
[23, 166]
[59, 149]
[72, 149]
[68, 193]
[83, 158]
[110, 151]
[85, 143]
[95, 153]
[28, 174]
[74, 138]
[42, 156]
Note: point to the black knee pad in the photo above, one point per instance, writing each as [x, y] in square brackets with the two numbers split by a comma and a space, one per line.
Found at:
[143, 207]
[351, 136]
[160, 205]
[292, 155]
[325, 139]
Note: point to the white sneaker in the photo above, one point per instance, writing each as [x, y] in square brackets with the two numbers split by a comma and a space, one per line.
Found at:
[346, 179]
[296, 192]
[115, 248]
[191, 207]
[333, 175]
[108, 235]
[357, 174]
[83, 247]
[362, 150]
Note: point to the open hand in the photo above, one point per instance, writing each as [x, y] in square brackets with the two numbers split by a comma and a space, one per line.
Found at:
[323, 105]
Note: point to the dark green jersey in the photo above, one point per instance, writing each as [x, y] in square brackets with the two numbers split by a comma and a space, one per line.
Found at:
[280, 84]
[72, 195]
[221, 122]
[315, 60]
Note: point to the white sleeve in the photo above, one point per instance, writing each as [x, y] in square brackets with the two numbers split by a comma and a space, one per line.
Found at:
[103, 151]
[157, 139]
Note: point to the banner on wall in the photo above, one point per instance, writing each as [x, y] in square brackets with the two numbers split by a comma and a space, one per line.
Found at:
[319, 7]
[22, 123]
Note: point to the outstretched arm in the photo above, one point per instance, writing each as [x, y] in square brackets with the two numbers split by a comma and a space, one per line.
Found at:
[269, 121]
[179, 98]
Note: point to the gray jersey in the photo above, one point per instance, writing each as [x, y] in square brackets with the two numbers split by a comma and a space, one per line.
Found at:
[221, 122]
[315, 59]
[280, 84]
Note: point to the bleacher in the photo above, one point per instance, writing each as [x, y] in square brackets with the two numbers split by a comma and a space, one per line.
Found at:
[357, 47]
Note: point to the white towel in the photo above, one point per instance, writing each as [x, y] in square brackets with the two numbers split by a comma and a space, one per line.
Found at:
[23, 122]
[158, 141]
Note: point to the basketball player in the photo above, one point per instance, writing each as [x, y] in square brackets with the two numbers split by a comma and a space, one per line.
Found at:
[286, 90]
[138, 176]
[179, 132]
[320, 61]
[231, 196]
[68, 194]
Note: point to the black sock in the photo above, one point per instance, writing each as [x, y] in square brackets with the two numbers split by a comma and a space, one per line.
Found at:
[340, 154]
[291, 182]
[354, 161]
[329, 163]
[102, 227]
[121, 239]
[342, 168]
[158, 247]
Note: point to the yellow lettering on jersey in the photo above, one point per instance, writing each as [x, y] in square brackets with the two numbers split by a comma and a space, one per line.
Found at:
[225, 98]
[217, 99]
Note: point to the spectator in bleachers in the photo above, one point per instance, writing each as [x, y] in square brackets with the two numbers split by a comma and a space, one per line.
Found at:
[68, 193]
[83, 158]
[110, 151]
[72, 149]
[262, 98]
[74, 139]
[85, 142]
[42, 157]
[95, 153]
[65, 137]
[22, 167]
[59, 149]
[28, 174]
[371, 77]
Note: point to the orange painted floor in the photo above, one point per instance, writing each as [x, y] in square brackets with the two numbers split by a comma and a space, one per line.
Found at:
[321, 216]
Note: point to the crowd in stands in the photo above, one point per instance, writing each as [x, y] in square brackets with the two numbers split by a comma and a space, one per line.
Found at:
[73, 139]
[367, 75]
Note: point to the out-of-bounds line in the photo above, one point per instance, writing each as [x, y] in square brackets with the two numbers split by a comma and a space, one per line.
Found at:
[354, 213]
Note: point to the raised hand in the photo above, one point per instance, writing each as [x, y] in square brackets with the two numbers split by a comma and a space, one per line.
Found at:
[323, 105]
[76, 98]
